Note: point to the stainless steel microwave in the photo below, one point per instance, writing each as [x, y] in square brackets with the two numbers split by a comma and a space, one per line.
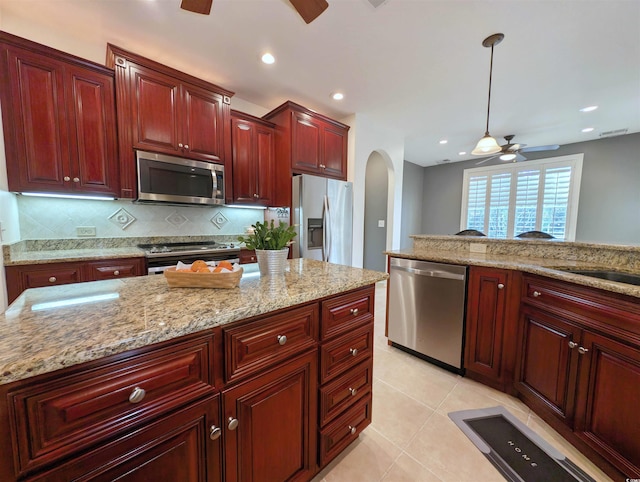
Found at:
[170, 179]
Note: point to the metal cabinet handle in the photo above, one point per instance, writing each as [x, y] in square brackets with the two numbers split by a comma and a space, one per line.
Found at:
[536, 294]
[53, 279]
[282, 339]
[186, 146]
[353, 391]
[353, 351]
[582, 350]
[354, 311]
[233, 423]
[180, 145]
[572, 344]
[116, 273]
[352, 430]
[322, 166]
[214, 432]
[500, 286]
[137, 394]
[66, 178]
[76, 179]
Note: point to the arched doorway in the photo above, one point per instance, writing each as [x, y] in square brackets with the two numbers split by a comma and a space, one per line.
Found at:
[375, 212]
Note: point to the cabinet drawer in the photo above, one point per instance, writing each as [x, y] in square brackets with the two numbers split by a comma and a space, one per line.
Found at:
[345, 391]
[51, 276]
[69, 413]
[115, 268]
[342, 313]
[248, 256]
[345, 352]
[257, 345]
[335, 437]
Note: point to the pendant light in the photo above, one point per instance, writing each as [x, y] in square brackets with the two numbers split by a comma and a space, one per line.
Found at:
[488, 145]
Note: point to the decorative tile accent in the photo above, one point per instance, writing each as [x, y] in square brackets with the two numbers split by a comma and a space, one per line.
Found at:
[176, 219]
[219, 220]
[122, 218]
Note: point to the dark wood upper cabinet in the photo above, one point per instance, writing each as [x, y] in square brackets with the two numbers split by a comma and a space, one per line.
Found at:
[306, 143]
[59, 121]
[253, 159]
[163, 110]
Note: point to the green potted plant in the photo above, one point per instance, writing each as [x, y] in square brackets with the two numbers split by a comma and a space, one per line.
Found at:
[271, 244]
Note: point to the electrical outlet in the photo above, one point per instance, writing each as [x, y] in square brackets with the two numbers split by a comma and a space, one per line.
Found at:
[381, 223]
[86, 231]
[478, 248]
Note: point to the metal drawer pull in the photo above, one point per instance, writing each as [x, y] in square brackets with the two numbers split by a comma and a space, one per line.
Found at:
[233, 423]
[76, 179]
[214, 432]
[53, 279]
[353, 430]
[66, 178]
[572, 344]
[353, 391]
[180, 145]
[186, 146]
[582, 350]
[536, 294]
[116, 273]
[282, 339]
[353, 351]
[500, 286]
[354, 311]
[137, 395]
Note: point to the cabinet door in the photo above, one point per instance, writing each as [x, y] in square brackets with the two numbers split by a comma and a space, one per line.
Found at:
[244, 161]
[271, 424]
[202, 136]
[548, 362]
[93, 141]
[486, 312]
[180, 447]
[265, 169]
[156, 123]
[607, 416]
[305, 151]
[35, 123]
[334, 152]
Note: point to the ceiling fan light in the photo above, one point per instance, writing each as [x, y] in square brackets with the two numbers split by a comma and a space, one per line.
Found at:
[485, 146]
[507, 157]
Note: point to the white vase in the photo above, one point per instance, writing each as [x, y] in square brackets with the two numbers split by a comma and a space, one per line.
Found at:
[272, 262]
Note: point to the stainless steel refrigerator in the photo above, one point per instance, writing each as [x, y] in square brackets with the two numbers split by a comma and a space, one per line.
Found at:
[322, 212]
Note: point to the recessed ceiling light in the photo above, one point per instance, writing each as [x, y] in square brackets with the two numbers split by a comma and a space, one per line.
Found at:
[443, 141]
[268, 58]
[587, 129]
[337, 96]
[591, 108]
[462, 153]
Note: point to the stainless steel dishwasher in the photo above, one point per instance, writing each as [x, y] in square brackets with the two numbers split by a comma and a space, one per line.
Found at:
[426, 310]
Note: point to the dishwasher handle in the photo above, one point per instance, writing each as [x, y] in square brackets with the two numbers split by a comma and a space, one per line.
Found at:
[433, 273]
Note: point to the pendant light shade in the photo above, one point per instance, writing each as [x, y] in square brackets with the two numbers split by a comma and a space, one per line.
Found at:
[488, 145]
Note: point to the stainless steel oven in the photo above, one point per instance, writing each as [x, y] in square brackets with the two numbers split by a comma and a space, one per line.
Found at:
[163, 256]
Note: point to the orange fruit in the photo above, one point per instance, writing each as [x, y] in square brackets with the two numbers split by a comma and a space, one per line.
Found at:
[197, 265]
[217, 269]
[225, 264]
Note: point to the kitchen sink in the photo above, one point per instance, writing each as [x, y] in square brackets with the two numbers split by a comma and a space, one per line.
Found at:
[632, 279]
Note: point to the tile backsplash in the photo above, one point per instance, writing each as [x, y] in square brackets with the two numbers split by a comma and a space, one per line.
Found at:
[48, 218]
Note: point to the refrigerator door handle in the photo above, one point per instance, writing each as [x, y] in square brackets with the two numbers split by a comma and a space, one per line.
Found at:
[326, 229]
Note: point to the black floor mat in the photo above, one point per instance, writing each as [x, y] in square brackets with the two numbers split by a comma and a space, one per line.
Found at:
[514, 449]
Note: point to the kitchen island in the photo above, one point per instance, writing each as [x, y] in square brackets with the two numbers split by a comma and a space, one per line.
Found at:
[97, 377]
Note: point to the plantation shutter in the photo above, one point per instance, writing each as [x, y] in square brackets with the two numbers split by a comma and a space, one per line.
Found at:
[477, 202]
[526, 209]
[557, 184]
[499, 205]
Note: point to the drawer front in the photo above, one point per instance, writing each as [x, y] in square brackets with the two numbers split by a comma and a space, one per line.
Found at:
[345, 391]
[342, 313]
[345, 352]
[248, 256]
[118, 268]
[335, 437]
[257, 345]
[70, 413]
[52, 277]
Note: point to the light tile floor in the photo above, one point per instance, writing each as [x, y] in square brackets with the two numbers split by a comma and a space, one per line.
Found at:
[411, 438]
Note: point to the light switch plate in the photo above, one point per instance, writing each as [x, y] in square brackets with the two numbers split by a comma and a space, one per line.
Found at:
[478, 248]
[381, 223]
[86, 231]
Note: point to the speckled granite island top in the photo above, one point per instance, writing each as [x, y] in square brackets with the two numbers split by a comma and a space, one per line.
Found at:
[46, 329]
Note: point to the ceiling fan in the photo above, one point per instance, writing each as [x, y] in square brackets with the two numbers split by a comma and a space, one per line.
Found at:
[512, 151]
[309, 10]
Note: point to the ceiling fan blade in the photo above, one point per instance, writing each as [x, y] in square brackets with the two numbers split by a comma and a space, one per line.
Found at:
[519, 157]
[551, 147]
[197, 6]
[487, 159]
[309, 10]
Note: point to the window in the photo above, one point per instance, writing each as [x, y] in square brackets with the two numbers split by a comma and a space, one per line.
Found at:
[504, 201]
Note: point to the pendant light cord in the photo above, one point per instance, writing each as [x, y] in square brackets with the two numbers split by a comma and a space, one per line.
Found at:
[489, 101]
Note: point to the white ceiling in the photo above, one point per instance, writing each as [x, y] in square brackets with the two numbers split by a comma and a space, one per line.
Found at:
[415, 66]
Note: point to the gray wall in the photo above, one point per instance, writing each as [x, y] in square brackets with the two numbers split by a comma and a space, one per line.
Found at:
[609, 209]
[375, 209]
[412, 189]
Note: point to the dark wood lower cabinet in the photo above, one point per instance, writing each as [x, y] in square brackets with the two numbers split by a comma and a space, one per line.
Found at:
[271, 422]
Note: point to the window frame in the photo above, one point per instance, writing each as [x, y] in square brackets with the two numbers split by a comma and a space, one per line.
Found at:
[575, 161]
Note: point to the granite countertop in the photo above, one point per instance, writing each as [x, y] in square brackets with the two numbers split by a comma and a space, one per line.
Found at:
[69, 255]
[50, 328]
[550, 267]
